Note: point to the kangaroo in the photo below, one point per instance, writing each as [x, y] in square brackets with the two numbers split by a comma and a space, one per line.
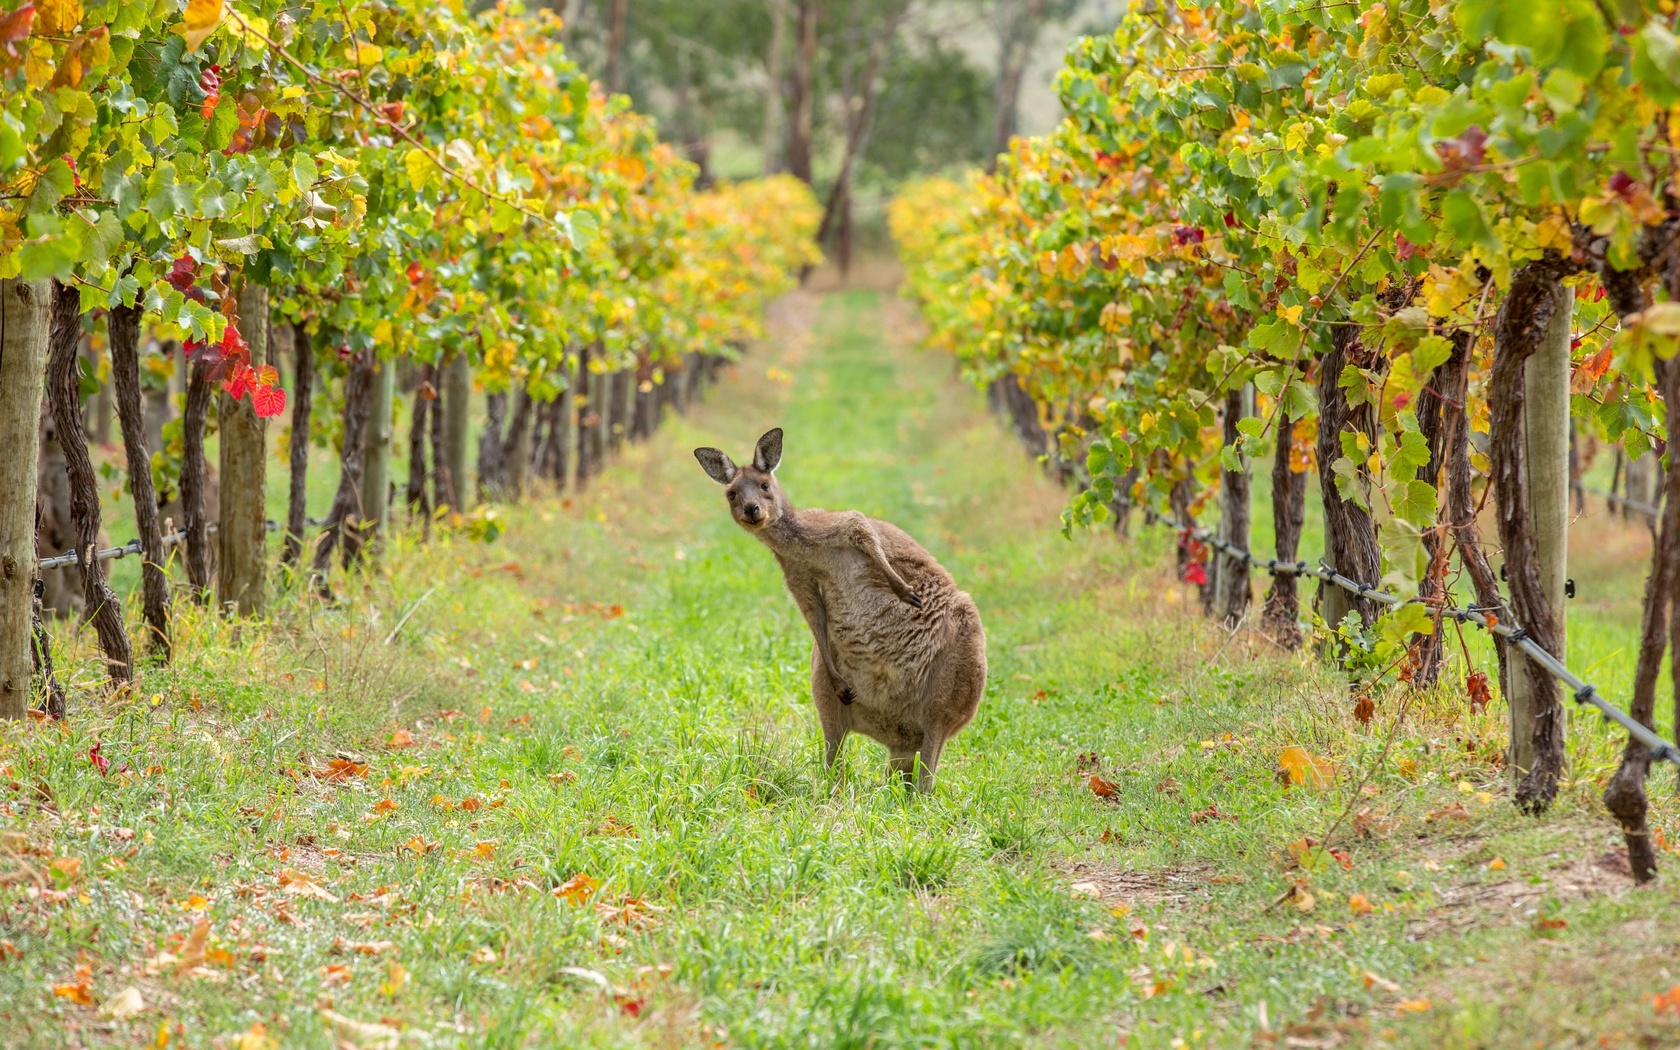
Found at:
[900, 655]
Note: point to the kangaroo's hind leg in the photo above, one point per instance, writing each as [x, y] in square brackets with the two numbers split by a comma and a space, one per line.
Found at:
[831, 713]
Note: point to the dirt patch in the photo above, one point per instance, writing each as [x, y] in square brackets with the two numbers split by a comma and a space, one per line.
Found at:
[1474, 905]
[1174, 888]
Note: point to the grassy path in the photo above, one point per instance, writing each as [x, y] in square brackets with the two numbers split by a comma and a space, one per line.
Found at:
[588, 750]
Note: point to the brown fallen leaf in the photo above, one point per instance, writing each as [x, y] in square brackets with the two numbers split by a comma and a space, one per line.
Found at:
[79, 989]
[578, 888]
[401, 738]
[1305, 768]
[1101, 788]
[297, 884]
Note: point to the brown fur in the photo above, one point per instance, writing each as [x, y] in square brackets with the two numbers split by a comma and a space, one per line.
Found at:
[899, 653]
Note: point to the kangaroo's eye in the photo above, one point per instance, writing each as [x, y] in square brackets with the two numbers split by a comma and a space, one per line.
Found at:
[731, 495]
[764, 485]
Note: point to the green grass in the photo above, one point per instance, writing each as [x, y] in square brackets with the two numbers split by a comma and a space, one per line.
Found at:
[745, 896]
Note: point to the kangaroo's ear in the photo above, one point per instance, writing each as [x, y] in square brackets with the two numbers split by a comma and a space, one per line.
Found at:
[718, 466]
[769, 451]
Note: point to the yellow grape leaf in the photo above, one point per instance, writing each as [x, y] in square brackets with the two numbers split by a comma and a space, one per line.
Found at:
[1292, 314]
[1554, 233]
[57, 17]
[1305, 768]
[202, 18]
[364, 54]
[419, 168]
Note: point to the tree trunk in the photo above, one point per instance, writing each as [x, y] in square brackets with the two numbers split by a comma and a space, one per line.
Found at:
[617, 14]
[63, 389]
[770, 142]
[424, 395]
[25, 320]
[491, 477]
[1350, 536]
[860, 109]
[1527, 315]
[1235, 591]
[194, 479]
[347, 502]
[376, 464]
[802, 90]
[600, 419]
[123, 326]
[516, 446]
[303, 393]
[1018, 28]
[241, 537]
[457, 403]
[585, 415]
[1281, 618]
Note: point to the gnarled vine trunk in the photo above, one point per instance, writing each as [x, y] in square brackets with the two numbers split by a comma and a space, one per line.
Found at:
[1233, 586]
[1350, 533]
[124, 329]
[242, 535]
[1281, 617]
[194, 479]
[347, 502]
[100, 604]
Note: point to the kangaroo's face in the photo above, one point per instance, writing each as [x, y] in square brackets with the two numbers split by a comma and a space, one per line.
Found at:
[754, 496]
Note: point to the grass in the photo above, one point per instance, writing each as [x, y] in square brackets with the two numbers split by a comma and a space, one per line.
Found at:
[590, 758]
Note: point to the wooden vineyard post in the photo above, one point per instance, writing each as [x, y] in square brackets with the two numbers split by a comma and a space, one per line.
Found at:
[1523, 327]
[242, 538]
[1282, 613]
[1232, 591]
[376, 456]
[1545, 428]
[25, 309]
[303, 391]
[457, 397]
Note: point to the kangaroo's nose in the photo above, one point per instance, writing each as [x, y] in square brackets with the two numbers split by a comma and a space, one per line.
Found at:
[754, 512]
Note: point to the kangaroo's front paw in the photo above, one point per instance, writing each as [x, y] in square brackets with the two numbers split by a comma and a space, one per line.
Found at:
[847, 695]
[908, 597]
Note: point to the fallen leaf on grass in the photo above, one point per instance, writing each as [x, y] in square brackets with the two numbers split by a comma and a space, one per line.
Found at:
[1359, 904]
[340, 769]
[1667, 1002]
[484, 851]
[125, 1004]
[578, 888]
[364, 947]
[1086, 889]
[613, 826]
[365, 1035]
[418, 844]
[335, 974]
[401, 738]
[1412, 1006]
[594, 977]
[1375, 981]
[1305, 768]
[297, 884]
[1496, 864]
[1550, 922]
[395, 978]
[79, 990]
[1202, 816]
[483, 955]
[633, 1007]
[562, 778]
[1298, 895]
[1100, 787]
